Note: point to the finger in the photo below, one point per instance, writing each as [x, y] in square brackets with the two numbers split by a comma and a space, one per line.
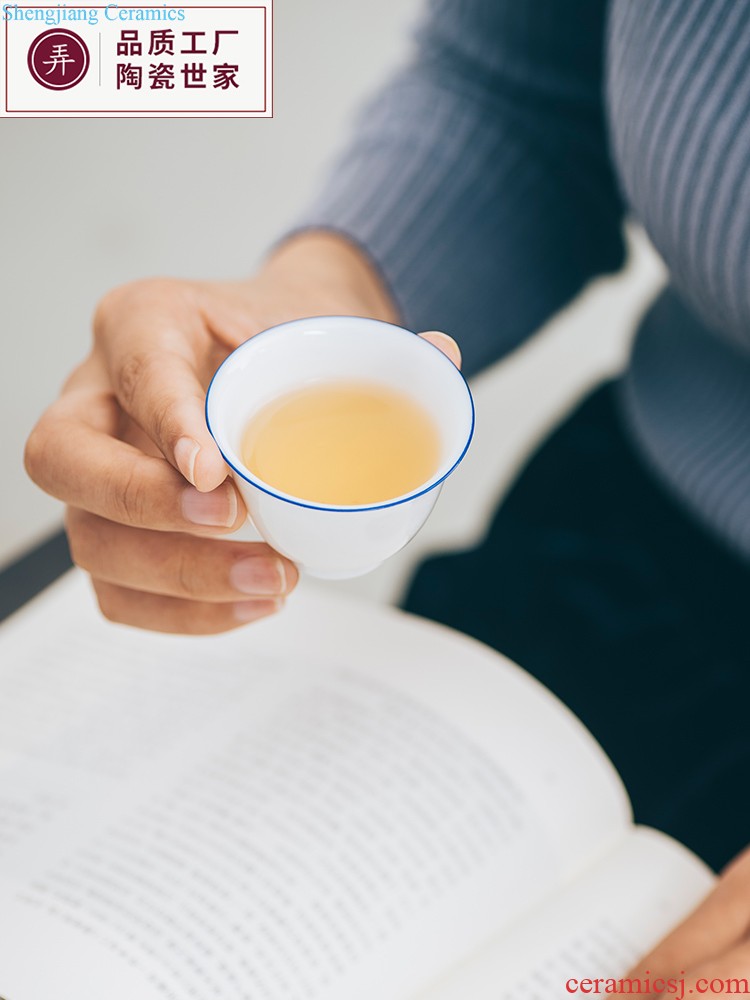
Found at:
[725, 974]
[170, 614]
[176, 565]
[89, 469]
[715, 926]
[444, 343]
[153, 340]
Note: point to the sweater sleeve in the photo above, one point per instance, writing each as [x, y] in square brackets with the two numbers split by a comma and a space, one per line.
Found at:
[478, 180]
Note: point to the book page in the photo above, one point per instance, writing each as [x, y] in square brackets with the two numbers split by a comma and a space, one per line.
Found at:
[598, 927]
[343, 801]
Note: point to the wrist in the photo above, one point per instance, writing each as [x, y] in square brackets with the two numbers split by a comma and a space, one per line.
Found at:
[341, 272]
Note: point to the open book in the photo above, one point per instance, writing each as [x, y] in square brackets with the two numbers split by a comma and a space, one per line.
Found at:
[342, 803]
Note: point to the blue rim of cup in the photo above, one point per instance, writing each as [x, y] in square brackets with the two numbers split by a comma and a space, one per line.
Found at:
[264, 488]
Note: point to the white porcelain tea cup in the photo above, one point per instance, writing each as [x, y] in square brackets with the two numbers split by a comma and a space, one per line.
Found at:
[329, 541]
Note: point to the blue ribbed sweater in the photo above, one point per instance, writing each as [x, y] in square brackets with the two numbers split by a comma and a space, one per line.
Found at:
[488, 181]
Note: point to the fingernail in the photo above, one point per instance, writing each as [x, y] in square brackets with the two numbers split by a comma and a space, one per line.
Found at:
[258, 575]
[249, 611]
[450, 343]
[218, 509]
[185, 453]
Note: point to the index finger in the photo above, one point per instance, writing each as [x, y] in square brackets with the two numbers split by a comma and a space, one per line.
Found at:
[72, 458]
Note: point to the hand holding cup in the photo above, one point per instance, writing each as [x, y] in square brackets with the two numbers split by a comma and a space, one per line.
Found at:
[127, 449]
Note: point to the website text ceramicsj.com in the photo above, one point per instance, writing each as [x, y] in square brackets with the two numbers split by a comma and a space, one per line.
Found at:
[674, 987]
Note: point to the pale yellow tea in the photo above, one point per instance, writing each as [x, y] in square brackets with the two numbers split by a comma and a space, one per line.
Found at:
[344, 443]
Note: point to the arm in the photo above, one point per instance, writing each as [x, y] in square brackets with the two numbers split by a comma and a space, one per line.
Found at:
[479, 180]
[477, 187]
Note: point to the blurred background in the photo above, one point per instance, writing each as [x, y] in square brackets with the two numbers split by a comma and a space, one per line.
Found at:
[88, 204]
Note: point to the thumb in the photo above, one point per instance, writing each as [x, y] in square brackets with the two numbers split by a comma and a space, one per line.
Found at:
[161, 391]
[444, 343]
[171, 408]
[152, 340]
